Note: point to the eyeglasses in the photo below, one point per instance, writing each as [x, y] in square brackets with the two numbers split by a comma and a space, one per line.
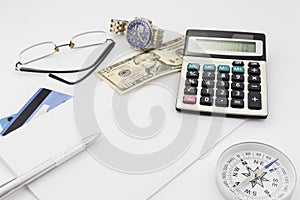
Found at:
[45, 49]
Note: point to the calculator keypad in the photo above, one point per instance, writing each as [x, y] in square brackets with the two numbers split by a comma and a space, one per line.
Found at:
[236, 86]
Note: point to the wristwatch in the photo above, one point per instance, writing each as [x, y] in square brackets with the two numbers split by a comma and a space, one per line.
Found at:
[140, 32]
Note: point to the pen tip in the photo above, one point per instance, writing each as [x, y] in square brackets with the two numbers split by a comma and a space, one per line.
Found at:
[90, 139]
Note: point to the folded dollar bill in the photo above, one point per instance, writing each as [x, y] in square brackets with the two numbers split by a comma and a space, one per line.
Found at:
[133, 72]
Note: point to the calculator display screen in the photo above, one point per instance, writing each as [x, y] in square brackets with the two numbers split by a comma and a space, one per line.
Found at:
[222, 45]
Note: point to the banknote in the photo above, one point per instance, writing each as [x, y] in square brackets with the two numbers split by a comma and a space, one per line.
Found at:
[135, 71]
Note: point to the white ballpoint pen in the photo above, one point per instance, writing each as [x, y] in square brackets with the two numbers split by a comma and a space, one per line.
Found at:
[33, 174]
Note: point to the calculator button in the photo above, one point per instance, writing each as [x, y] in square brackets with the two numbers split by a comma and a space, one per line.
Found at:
[254, 64]
[223, 76]
[208, 101]
[254, 87]
[238, 77]
[189, 99]
[191, 82]
[222, 93]
[223, 84]
[223, 68]
[253, 71]
[192, 74]
[237, 86]
[207, 92]
[253, 79]
[209, 67]
[193, 67]
[254, 100]
[237, 103]
[237, 94]
[238, 63]
[208, 83]
[238, 69]
[208, 75]
[190, 90]
[221, 102]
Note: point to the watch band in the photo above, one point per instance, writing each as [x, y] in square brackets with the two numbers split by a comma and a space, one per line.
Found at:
[119, 27]
[157, 39]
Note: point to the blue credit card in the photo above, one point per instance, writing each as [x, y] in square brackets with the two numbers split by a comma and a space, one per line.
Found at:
[41, 102]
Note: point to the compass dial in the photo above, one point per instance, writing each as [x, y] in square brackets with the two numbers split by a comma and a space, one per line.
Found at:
[249, 171]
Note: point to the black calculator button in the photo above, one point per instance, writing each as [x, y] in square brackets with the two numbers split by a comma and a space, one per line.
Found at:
[237, 103]
[238, 63]
[253, 71]
[254, 64]
[237, 94]
[223, 84]
[208, 75]
[208, 101]
[254, 87]
[237, 86]
[191, 82]
[208, 83]
[253, 79]
[254, 100]
[238, 77]
[190, 90]
[222, 93]
[192, 74]
[223, 76]
[221, 102]
[207, 92]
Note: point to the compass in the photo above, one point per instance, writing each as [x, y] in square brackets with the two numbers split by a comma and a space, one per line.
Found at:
[255, 171]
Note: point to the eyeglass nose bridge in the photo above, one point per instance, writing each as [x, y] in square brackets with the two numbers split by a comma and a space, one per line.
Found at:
[71, 45]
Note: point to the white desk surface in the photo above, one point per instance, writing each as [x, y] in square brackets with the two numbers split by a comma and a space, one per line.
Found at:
[26, 22]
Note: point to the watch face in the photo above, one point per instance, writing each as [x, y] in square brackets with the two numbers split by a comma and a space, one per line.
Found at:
[138, 34]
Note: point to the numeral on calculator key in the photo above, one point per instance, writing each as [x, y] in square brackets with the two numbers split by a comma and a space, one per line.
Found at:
[237, 86]
[222, 93]
[238, 77]
[237, 94]
[223, 84]
[207, 92]
[208, 101]
[208, 75]
[223, 76]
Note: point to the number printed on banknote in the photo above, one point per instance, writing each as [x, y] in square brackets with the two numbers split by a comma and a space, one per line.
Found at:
[133, 72]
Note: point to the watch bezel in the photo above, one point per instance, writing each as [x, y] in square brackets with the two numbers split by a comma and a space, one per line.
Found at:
[148, 44]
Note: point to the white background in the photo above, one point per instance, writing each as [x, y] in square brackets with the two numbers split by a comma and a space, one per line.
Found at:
[27, 22]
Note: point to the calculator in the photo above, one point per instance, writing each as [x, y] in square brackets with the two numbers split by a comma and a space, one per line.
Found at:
[224, 72]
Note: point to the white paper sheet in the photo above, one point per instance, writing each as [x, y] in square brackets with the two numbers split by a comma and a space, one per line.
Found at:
[83, 177]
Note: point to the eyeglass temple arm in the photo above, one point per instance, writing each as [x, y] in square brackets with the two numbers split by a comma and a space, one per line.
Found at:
[94, 65]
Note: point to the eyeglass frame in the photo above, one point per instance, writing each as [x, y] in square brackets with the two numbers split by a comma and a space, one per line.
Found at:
[93, 66]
